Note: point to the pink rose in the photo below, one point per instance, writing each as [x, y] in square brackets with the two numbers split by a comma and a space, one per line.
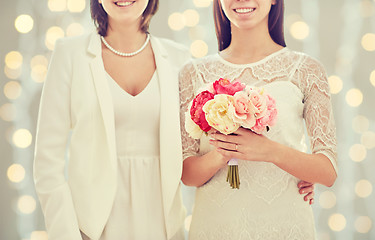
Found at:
[272, 117]
[269, 117]
[224, 86]
[271, 103]
[243, 110]
[272, 110]
[259, 127]
[196, 112]
[259, 101]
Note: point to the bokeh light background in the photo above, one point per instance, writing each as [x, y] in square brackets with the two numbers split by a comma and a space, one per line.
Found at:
[340, 33]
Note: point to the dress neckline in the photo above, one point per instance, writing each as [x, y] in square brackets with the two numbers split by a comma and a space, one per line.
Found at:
[243, 65]
[123, 91]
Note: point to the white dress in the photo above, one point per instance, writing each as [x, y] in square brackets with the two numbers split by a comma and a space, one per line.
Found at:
[138, 210]
[267, 206]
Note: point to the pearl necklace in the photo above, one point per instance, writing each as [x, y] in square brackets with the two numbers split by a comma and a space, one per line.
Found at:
[126, 54]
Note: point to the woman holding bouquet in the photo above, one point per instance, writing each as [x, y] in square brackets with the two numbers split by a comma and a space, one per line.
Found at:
[267, 204]
[111, 98]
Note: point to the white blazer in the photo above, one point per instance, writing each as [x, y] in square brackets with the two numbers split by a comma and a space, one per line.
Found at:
[76, 114]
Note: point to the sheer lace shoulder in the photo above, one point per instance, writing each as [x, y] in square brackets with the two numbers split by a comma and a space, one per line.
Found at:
[311, 78]
[188, 78]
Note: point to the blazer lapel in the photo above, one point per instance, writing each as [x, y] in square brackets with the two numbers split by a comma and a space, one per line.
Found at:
[104, 94]
[170, 139]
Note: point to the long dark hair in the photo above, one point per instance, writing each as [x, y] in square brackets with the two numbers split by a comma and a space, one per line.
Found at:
[275, 24]
[100, 17]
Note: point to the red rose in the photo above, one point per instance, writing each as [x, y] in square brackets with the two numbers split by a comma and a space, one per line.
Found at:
[224, 86]
[196, 112]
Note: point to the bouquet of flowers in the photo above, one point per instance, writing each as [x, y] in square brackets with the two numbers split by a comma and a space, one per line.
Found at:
[225, 106]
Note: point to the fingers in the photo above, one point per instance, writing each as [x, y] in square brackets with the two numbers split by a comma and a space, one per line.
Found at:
[303, 184]
[304, 190]
[224, 145]
[230, 154]
[223, 137]
[309, 198]
[307, 187]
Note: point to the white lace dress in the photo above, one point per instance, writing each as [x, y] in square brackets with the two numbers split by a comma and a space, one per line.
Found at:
[267, 205]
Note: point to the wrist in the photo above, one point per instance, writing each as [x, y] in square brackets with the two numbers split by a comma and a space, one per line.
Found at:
[277, 153]
[220, 160]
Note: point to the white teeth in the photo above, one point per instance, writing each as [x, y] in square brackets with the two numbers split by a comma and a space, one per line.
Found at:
[244, 10]
[124, 4]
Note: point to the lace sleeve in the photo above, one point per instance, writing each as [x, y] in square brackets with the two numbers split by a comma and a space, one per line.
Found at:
[187, 80]
[317, 111]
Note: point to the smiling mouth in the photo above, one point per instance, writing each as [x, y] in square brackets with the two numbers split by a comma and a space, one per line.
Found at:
[124, 3]
[244, 10]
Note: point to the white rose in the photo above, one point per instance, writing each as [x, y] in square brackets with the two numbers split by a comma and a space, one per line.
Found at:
[193, 129]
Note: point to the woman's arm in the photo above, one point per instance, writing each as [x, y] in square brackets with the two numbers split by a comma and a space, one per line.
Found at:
[314, 168]
[50, 149]
[197, 170]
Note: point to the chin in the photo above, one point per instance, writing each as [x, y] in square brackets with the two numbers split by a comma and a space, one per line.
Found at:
[245, 25]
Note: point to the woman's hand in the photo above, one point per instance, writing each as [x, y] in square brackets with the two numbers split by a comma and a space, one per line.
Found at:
[308, 189]
[243, 144]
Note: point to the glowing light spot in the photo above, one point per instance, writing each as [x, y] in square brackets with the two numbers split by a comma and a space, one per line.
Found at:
[53, 33]
[22, 138]
[337, 222]
[16, 173]
[12, 90]
[13, 60]
[335, 84]
[197, 32]
[26, 204]
[368, 42]
[12, 73]
[202, 3]
[24, 23]
[191, 17]
[74, 29]
[176, 21]
[357, 152]
[57, 5]
[372, 78]
[368, 139]
[299, 30]
[199, 48]
[354, 97]
[39, 73]
[327, 199]
[363, 188]
[76, 6]
[39, 64]
[363, 224]
[7, 112]
[39, 60]
[360, 124]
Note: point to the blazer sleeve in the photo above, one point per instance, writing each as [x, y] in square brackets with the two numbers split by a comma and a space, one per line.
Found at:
[54, 123]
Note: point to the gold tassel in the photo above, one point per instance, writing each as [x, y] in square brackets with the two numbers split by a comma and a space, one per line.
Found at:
[233, 177]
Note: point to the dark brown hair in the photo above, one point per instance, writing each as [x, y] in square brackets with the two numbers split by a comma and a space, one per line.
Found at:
[100, 16]
[275, 24]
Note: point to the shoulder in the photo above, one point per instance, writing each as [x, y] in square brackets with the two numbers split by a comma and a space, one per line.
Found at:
[199, 64]
[74, 43]
[308, 63]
